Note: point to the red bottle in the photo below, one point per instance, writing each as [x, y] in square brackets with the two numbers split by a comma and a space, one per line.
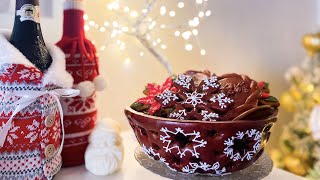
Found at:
[80, 113]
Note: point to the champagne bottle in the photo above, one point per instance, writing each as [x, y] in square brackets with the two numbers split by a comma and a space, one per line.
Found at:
[27, 36]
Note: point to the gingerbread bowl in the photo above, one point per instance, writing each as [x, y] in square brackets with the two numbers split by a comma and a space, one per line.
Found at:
[201, 147]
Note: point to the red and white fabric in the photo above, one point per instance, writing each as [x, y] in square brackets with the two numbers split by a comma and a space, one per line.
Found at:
[31, 146]
[80, 113]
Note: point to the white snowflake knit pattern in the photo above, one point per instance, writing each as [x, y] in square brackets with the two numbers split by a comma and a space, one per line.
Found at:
[210, 82]
[12, 133]
[198, 143]
[167, 96]
[229, 151]
[4, 69]
[192, 167]
[34, 131]
[184, 81]
[29, 74]
[222, 99]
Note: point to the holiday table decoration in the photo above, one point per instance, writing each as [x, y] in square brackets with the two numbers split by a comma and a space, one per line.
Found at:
[80, 113]
[31, 114]
[201, 123]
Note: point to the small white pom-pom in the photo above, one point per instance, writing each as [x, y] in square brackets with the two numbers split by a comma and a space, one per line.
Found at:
[86, 88]
[104, 154]
[100, 83]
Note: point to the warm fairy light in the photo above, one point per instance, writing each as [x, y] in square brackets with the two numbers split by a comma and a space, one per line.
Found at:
[201, 14]
[85, 17]
[134, 14]
[86, 28]
[199, 1]
[181, 5]
[92, 23]
[127, 61]
[189, 47]
[163, 10]
[195, 32]
[151, 25]
[208, 13]
[203, 52]
[102, 29]
[172, 14]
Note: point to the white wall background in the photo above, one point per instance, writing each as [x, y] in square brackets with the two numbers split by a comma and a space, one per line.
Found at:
[255, 37]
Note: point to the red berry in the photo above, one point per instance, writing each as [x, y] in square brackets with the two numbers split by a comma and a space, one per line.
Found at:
[261, 84]
[265, 95]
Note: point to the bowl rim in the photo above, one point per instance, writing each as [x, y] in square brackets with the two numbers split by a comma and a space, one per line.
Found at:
[129, 109]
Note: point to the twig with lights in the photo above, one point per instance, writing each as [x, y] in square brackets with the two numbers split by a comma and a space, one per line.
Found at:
[147, 30]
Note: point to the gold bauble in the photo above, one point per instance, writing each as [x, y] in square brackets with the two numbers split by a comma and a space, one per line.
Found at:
[311, 43]
[287, 102]
[316, 97]
[296, 165]
[277, 158]
[295, 93]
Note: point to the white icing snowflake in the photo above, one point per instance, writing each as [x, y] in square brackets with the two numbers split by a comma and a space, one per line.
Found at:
[210, 82]
[184, 81]
[56, 131]
[29, 74]
[195, 140]
[151, 154]
[194, 98]
[34, 131]
[192, 167]
[209, 116]
[181, 114]
[167, 96]
[222, 99]
[11, 136]
[254, 134]
[4, 69]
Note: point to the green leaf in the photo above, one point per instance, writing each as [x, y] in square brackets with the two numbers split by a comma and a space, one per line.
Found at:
[288, 144]
[139, 107]
[271, 99]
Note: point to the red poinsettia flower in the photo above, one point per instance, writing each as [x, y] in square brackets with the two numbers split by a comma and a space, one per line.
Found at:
[263, 85]
[154, 90]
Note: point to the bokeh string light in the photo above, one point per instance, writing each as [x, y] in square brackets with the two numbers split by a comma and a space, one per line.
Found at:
[156, 21]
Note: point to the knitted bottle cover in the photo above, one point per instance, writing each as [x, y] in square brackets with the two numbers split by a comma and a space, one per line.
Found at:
[80, 113]
[30, 141]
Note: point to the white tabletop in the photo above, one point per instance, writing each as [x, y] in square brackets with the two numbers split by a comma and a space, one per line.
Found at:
[131, 169]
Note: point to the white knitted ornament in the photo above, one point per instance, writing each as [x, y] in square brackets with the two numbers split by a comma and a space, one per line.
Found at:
[104, 154]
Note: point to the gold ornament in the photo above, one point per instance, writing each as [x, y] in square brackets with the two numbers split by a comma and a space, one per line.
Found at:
[307, 87]
[295, 93]
[296, 165]
[277, 157]
[316, 97]
[287, 102]
[311, 43]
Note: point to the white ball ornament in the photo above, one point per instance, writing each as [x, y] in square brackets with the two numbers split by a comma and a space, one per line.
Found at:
[86, 88]
[100, 83]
